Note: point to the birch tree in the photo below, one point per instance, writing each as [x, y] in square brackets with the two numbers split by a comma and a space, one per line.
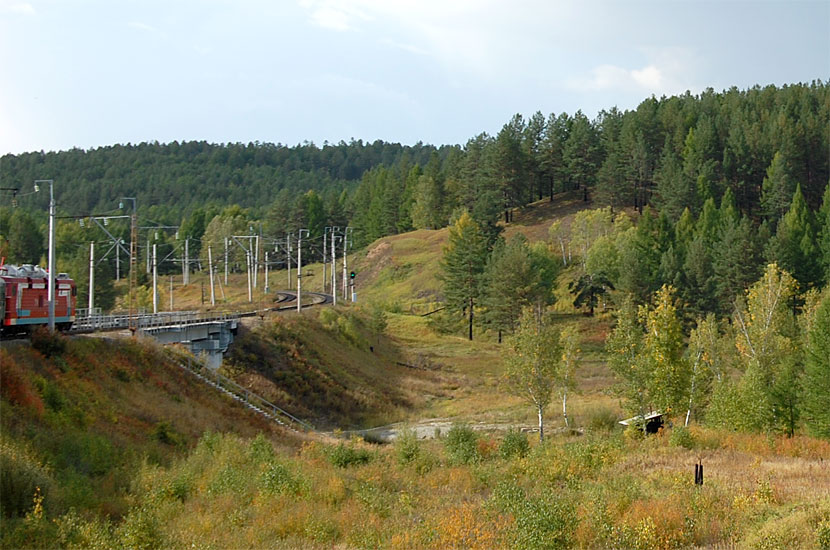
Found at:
[531, 365]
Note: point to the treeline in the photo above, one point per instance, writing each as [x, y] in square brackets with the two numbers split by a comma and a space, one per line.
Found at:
[672, 153]
[172, 180]
[687, 157]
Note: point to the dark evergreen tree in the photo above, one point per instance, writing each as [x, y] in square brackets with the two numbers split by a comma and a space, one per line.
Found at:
[462, 267]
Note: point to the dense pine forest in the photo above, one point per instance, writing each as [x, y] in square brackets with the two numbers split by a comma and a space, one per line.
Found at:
[725, 182]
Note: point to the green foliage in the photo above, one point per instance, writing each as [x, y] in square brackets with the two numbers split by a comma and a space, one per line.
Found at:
[278, 479]
[407, 448]
[344, 456]
[601, 419]
[48, 343]
[164, 432]
[25, 239]
[544, 522]
[461, 445]
[532, 366]
[514, 445]
[462, 267]
[816, 382]
[625, 357]
[21, 476]
[680, 436]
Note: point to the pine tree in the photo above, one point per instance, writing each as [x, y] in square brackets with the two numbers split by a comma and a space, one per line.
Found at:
[508, 281]
[735, 262]
[794, 245]
[462, 267]
[824, 234]
[817, 372]
[426, 211]
[777, 189]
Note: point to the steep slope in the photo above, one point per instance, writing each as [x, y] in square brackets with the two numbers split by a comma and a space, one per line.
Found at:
[90, 410]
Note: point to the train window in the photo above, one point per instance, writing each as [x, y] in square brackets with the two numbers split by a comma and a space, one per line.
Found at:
[12, 290]
[74, 291]
[40, 301]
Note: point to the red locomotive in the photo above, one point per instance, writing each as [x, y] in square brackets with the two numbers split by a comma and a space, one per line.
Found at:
[24, 298]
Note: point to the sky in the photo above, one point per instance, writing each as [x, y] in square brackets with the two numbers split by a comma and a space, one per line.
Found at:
[92, 73]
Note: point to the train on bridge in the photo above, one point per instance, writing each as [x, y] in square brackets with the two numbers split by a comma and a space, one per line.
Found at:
[24, 299]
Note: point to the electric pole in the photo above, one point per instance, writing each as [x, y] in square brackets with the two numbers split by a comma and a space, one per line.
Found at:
[300, 267]
[334, 239]
[155, 280]
[91, 276]
[210, 270]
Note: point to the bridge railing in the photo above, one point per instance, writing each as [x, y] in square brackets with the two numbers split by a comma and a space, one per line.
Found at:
[95, 321]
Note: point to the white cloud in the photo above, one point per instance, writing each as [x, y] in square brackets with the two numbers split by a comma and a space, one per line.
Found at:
[17, 8]
[337, 15]
[669, 71]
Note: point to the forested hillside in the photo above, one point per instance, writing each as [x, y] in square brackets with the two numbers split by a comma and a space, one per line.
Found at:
[745, 154]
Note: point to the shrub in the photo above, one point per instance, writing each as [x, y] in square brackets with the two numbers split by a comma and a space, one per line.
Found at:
[344, 456]
[278, 479]
[164, 432]
[543, 523]
[461, 445]
[602, 419]
[823, 535]
[407, 448]
[514, 444]
[680, 436]
[48, 343]
[21, 475]
[141, 530]
[261, 449]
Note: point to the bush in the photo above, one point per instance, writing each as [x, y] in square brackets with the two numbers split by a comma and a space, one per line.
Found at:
[344, 456]
[543, 523]
[681, 437]
[164, 432]
[48, 343]
[407, 448]
[461, 445]
[514, 444]
[278, 479]
[21, 474]
[602, 419]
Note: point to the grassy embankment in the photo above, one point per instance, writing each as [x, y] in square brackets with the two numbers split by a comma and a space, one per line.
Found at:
[465, 490]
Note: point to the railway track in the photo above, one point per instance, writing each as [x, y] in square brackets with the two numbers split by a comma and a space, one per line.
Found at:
[284, 301]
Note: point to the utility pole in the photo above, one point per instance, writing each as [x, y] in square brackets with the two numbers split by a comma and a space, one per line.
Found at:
[210, 270]
[133, 260]
[345, 280]
[226, 261]
[51, 275]
[333, 271]
[300, 267]
[266, 272]
[248, 265]
[155, 281]
[186, 263]
[288, 257]
[256, 259]
[171, 293]
[117, 263]
[91, 276]
[325, 259]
